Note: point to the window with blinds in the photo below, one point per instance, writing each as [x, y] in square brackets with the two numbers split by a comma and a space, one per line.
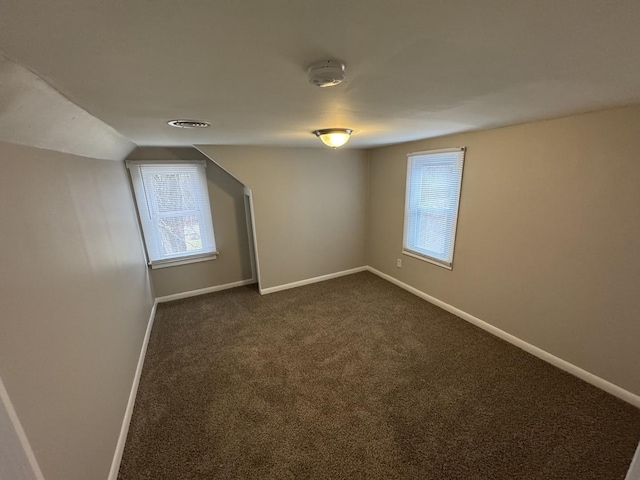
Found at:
[174, 209]
[434, 180]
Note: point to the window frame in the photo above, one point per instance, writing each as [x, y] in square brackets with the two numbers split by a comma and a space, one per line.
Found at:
[145, 204]
[408, 213]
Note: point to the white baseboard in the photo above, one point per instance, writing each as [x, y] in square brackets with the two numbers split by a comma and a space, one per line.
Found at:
[602, 384]
[634, 469]
[202, 291]
[308, 281]
[24, 463]
[124, 430]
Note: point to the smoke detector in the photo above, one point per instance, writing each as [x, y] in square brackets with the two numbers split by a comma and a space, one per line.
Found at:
[326, 73]
[189, 124]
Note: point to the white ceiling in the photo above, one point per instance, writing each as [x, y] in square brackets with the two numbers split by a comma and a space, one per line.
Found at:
[415, 69]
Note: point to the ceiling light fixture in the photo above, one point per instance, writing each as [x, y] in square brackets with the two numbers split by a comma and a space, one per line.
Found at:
[334, 137]
[189, 124]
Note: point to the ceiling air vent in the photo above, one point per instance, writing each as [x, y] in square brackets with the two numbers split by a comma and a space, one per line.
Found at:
[189, 124]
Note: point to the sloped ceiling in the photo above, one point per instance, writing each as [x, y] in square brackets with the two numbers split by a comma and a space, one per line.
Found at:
[32, 113]
[415, 69]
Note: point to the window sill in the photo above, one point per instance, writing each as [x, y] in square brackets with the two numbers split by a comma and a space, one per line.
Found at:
[183, 261]
[424, 258]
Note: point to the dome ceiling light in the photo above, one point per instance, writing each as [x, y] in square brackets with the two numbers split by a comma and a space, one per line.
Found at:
[334, 137]
[329, 73]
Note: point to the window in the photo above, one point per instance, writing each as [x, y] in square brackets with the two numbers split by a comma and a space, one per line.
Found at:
[434, 179]
[173, 204]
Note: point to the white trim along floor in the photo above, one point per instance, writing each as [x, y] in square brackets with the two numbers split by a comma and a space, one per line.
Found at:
[634, 471]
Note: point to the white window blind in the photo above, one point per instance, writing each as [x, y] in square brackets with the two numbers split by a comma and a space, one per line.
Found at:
[174, 209]
[434, 179]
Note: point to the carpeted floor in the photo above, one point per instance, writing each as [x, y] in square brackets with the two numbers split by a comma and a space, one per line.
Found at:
[354, 378]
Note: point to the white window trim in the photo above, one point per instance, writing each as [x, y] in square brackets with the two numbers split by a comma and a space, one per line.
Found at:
[183, 260]
[171, 262]
[412, 253]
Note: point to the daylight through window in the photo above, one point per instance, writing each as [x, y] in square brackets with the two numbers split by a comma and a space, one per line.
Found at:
[173, 204]
[434, 179]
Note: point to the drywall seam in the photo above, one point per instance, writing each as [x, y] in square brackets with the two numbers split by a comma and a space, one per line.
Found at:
[17, 426]
[202, 291]
[124, 430]
[527, 347]
[321, 278]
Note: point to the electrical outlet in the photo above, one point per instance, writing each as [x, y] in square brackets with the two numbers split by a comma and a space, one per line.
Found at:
[399, 263]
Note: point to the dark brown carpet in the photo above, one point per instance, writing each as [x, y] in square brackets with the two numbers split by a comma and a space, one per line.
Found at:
[354, 378]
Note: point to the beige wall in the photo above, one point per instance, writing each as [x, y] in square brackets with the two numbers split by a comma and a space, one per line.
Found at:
[309, 204]
[547, 243]
[226, 195]
[74, 304]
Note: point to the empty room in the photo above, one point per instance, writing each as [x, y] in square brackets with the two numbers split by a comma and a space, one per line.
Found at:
[319, 240]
